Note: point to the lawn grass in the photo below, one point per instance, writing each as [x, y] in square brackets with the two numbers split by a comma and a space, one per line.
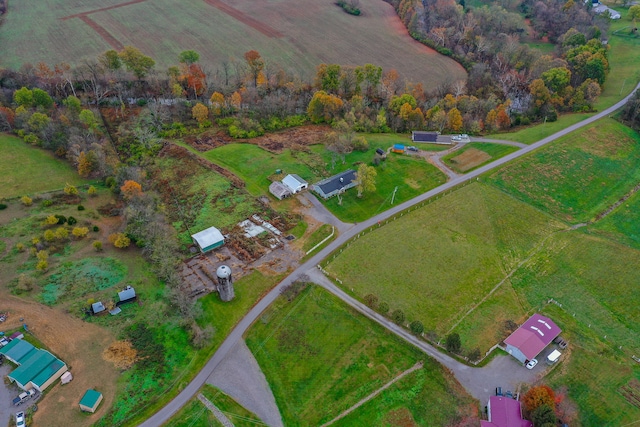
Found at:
[27, 170]
[386, 140]
[544, 47]
[411, 175]
[477, 232]
[318, 236]
[496, 151]
[531, 134]
[321, 357]
[255, 165]
[580, 175]
[195, 414]
[284, 32]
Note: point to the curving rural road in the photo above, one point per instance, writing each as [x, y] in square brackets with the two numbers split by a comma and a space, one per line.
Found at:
[236, 334]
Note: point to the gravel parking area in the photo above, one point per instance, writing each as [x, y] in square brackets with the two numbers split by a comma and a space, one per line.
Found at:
[240, 376]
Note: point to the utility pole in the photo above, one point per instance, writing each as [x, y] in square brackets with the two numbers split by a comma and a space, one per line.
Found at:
[394, 194]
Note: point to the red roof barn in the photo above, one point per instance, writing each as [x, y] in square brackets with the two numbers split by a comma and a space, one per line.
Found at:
[504, 412]
[532, 337]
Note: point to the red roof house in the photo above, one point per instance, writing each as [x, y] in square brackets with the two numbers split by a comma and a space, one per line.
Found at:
[532, 337]
[504, 412]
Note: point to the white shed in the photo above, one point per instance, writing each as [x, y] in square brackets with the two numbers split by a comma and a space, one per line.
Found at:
[294, 183]
[208, 239]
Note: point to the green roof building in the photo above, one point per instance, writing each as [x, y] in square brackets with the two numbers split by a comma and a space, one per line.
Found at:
[37, 368]
[208, 239]
[90, 401]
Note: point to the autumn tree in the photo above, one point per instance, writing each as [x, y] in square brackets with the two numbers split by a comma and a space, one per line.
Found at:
[538, 396]
[87, 163]
[454, 120]
[255, 63]
[324, 107]
[70, 190]
[200, 112]
[131, 189]
[80, 232]
[366, 179]
[328, 77]
[634, 12]
[544, 416]
[97, 245]
[136, 62]
[194, 78]
[539, 92]
[217, 103]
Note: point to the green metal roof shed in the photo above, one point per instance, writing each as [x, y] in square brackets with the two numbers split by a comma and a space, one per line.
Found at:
[208, 239]
[38, 371]
[90, 401]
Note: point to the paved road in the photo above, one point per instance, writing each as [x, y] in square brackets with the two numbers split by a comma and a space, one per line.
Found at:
[499, 141]
[236, 334]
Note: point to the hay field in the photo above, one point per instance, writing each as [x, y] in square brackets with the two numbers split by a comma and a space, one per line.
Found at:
[580, 175]
[477, 232]
[297, 35]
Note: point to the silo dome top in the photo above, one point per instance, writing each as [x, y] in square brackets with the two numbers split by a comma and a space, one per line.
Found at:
[223, 271]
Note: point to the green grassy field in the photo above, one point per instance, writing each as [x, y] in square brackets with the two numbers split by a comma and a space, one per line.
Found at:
[28, 170]
[284, 32]
[320, 358]
[580, 175]
[411, 175]
[195, 414]
[477, 232]
[495, 151]
[386, 140]
[622, 223]
[531, 134]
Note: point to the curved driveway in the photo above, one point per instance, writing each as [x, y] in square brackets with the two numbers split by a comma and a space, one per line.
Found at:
[236, 334]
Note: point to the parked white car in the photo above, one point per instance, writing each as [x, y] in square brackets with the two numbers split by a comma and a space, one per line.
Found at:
[532, 363]
[463, 137]
[20, 419]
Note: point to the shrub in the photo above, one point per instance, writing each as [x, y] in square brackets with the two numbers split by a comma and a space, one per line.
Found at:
[49, 236]
[2, 206]
[453, 343]
[416, 327]
[92, 190]
[398, 316]
[25, 283]
[71, 220]
[119, 240]
[42, 265]
[70, 190]
[20, 247]
[61, 219]
[61, 233]
[97, 245]
[80, 232]
[80, 207]
[474, 355]
[371, 301]
[96, 228]
[383, 308]
[50, 220]
[46, 203]
[26, 200]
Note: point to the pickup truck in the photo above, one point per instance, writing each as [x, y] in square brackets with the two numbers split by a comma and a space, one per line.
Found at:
[23, 397]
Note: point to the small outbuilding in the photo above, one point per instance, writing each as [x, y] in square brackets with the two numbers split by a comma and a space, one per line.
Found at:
[294, 183]
[98, 307]
[279, 190]
[331, 186]
[208, 239]
[90, 401]
[398, 148]
[421, 136]
[553, 357]
[37, 368]
[127, 294]
[531, 338]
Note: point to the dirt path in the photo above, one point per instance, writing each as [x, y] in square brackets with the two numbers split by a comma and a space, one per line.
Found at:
[77, 343]
[215, 411]
[245, 19]
[102, 9]
[106, 36]
[375, 393]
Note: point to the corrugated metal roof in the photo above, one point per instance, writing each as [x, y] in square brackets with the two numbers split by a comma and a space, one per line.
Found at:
[127, 293]
[208, 237]
[17, 350]
[534, 335]
[38, 368]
